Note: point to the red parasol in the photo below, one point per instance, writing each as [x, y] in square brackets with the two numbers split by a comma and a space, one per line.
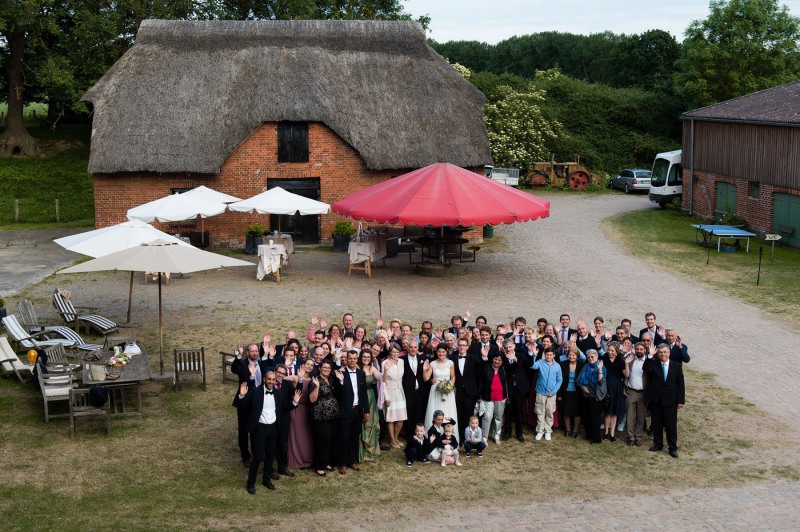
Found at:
[442, 194]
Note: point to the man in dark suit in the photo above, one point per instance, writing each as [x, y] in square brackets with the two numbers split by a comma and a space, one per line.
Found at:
[656, 332]
[286, 389]
[241, 367]
[516, 360]
[467, 385]
[564, 333]
[350, 387]
[477, 349]
[414, 386]
[678, 352]
[666, 393]
[264, 408]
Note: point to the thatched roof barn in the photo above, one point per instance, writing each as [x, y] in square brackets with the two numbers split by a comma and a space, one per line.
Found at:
[189, 92]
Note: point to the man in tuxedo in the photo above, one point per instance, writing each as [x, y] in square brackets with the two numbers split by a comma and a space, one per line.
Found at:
[467, 386]
[478, 349]
[516, 361]
[287, 389]
[241, 367]
[678, 352]
[414, 386]
[564, 333]
[264, 409]
[666, 393]
[350, 387]
[652, 328]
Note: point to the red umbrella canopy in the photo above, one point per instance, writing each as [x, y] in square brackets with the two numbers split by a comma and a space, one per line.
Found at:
[442, 194]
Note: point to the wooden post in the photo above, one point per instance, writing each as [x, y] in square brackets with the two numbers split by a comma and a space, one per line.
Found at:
[58, 211]
[16, 210]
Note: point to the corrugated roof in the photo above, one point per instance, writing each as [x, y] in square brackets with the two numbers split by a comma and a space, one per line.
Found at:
[780, 105]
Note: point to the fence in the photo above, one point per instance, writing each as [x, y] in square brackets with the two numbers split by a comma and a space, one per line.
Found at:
[22, 210]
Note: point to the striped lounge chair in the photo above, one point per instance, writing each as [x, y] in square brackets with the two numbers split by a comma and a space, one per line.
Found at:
[67, 311]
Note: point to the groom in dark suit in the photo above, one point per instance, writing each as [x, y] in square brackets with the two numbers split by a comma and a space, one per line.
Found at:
[350, 387]
[666, 393]
[414, 387]
[468, 370]
[264, 408]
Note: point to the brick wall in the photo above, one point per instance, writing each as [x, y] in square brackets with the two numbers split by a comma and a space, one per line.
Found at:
[757, 211]
[244, 174]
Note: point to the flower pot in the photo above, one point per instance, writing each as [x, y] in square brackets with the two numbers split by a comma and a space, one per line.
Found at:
[3, 313]
[488, 231]
[251, 244]
[341, 243]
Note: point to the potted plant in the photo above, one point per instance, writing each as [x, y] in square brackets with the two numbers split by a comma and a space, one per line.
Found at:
[254, 237]
[2, 307]
[342, 232]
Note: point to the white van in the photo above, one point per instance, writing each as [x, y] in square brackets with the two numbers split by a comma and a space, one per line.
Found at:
[666, 183]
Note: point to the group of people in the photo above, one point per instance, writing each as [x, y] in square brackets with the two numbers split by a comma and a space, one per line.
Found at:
[344, 394]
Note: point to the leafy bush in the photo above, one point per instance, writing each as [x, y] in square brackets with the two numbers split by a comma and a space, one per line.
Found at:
[343, 229]
[255, 230]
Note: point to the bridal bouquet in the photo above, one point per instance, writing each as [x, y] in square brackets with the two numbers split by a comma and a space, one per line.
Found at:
[445, 388]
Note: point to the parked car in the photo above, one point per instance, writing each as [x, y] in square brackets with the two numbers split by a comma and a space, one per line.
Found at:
[632, 180]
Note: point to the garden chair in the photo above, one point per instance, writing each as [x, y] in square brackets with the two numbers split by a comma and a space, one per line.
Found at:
[27, 340]
[57, 360]
[190, 362]
[28, 317]
[70, 314]
[54, 388]
[80, 406]
[10, 362]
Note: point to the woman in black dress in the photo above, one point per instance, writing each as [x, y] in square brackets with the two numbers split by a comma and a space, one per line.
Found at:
[568, 398]
[614, 404]
[324, 411]
[592, 381]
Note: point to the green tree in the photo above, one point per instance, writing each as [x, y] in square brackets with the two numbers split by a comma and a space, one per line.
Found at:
[518, 132]
[741, 47]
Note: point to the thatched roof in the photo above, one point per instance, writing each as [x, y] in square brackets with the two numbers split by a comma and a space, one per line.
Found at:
[779, 105]
[188, 92]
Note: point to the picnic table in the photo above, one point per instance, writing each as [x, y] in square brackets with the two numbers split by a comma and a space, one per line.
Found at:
[131, 375]
[705, 234]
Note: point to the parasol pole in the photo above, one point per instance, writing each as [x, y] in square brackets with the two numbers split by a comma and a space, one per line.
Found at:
[130, 297]
[380, 307]
[160, 329]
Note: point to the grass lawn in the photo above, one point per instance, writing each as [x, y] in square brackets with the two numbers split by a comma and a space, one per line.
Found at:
[38, 181]
[666, 239]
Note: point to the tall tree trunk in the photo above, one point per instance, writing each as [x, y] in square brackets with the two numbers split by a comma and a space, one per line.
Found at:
[15, 140]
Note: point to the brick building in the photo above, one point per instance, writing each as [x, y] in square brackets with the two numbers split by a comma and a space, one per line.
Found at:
[320, 108]
[742, 156]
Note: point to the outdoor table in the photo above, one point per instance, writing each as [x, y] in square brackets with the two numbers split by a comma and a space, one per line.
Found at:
[361, 253]
[706, 233]
[130, 375]
[270, 260]
[379, 239]
[437, 246]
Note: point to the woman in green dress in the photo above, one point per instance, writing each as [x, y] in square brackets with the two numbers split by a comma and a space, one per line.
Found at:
[370, 430]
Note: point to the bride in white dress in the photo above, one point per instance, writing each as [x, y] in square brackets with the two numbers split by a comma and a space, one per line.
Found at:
[442, 369]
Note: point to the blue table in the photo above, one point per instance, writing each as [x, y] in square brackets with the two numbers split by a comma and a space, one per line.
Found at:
[708, 232]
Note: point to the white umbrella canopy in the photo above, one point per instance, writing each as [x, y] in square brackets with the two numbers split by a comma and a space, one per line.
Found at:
[115, 238]
[108, 240]
[158, 256]
[279, 201]
[209, 194]
[176, 208]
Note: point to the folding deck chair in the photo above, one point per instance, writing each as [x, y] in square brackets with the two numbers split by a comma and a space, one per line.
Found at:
[31, 341]
[68, 311]
[31, 322]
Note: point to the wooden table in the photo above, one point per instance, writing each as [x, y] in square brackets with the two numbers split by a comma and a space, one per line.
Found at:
[130, 375]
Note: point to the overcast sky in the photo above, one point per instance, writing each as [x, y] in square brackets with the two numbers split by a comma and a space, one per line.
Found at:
[494, 20]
